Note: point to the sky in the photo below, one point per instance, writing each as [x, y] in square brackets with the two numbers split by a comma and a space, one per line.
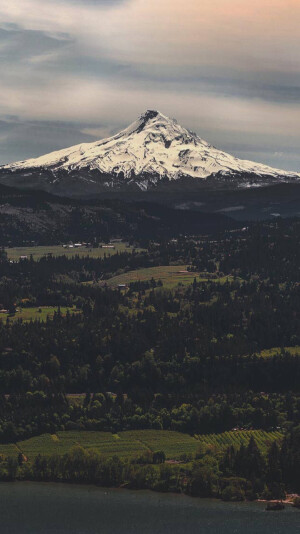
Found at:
[76, 71]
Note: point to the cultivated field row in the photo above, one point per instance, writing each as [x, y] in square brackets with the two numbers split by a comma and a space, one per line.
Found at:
[130, 444]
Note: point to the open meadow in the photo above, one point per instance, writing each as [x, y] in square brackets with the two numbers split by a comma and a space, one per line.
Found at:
[276, 351]
[38, 252]
[170, 275]
[35, 313]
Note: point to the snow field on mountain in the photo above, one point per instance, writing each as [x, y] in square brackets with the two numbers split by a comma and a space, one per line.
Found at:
[154, 145]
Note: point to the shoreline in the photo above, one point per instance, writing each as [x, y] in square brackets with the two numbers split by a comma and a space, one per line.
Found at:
[288, 500]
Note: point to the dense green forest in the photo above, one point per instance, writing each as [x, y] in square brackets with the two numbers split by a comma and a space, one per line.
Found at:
[204, 357]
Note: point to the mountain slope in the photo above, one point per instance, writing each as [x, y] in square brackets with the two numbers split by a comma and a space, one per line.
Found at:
[152, 151]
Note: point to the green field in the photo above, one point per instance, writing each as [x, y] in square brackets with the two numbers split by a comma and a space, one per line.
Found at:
[58, 250]
[239, 437]
[267, 353]
[130, 444]
[172, 443]
[170, 275]
[105, 442]
[36, 313]
[9, 449]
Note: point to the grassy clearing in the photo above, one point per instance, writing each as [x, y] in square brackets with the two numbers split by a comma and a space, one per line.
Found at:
[130, 444]
[111, 444]
[267, 353]
[47, 444]
[105, 442]
[37, 313]
[170, 275]
[15, 253]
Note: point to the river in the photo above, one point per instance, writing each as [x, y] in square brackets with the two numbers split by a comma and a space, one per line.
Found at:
[38, 508]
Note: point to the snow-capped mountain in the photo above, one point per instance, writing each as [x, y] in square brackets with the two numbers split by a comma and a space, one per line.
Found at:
[152, 151]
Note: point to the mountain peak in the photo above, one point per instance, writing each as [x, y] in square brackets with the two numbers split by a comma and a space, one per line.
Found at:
[156, 116]
[150, 118]
[151, 149]
[156, 125]
[150, 114]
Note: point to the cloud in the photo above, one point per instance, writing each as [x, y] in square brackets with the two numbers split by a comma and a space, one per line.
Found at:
[259, 35]
[98, 132]
[73, 98]
[30, 138]
[229, 69]
[17, 44]
[263, 32]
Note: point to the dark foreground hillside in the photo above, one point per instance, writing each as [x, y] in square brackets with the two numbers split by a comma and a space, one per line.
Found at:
[28, 217]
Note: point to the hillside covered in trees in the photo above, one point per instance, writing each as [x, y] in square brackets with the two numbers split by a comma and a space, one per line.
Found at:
[216, 351]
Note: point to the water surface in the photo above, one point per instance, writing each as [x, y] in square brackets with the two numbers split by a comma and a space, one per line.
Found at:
[37, 508]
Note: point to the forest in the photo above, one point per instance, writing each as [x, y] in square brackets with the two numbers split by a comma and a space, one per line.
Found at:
[204, 356]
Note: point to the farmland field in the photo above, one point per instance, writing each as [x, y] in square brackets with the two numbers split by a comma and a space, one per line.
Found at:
[170, 275]
[38, 252]
[46, 444]
[239, 437]
[130, 444]
[172, 443]
[36, 313]
[105, 442]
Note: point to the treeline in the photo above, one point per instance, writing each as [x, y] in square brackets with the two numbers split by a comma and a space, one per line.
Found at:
[34, 413]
